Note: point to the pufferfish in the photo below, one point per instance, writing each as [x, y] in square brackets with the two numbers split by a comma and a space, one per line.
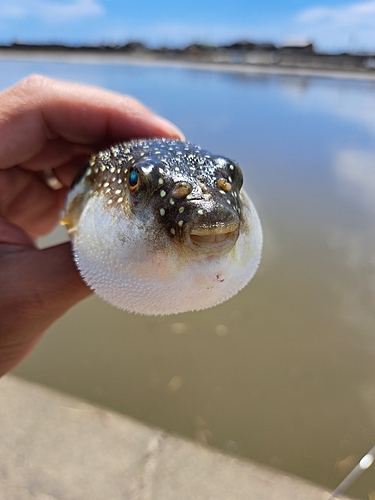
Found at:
[161, 226]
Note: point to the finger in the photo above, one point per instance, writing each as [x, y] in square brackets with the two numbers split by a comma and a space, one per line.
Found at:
[39, 287]
[67, 172]
[39, 109]
[48, 277]
[26, 200]
[10, 234]
[56, 153]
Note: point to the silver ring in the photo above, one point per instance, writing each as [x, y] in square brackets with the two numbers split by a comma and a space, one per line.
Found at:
[52, 180]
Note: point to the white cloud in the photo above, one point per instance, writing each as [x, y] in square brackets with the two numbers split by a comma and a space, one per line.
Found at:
[356, 169]
[349, 27]
[349, 15]
[355, 244]
[50, 11]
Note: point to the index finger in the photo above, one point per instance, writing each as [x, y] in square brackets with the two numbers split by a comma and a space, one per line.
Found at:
[39, 109]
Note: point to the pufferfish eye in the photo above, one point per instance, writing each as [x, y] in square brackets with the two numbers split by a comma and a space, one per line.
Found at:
[235, 174]
[133, 181]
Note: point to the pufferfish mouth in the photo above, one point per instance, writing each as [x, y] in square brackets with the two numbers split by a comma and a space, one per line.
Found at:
[212, 239]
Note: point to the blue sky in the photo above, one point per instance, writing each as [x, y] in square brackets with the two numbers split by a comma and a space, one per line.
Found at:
[332, 25]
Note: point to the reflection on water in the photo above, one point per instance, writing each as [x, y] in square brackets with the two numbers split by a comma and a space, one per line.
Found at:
[284, 372]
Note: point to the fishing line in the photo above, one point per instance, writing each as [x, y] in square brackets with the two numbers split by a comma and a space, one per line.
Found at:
[353, 475]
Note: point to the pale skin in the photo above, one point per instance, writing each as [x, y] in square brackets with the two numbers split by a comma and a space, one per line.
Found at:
[47, 125]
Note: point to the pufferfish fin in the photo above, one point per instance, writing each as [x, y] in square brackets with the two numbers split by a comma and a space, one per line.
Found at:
[77, 198]
[73, 213]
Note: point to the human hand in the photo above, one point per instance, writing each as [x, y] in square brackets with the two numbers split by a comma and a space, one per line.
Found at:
[49, 126]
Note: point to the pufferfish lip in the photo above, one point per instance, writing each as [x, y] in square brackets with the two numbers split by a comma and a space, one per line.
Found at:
[213, 239]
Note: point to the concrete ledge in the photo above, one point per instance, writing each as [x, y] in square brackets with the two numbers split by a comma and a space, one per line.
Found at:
[53, 446]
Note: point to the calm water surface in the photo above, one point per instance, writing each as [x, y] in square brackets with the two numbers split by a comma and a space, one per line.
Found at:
[283, 373]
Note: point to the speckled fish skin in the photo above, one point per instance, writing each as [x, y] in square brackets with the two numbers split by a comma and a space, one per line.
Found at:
[161, 226]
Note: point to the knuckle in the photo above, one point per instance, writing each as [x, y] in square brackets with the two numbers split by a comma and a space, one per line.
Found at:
[32, 84]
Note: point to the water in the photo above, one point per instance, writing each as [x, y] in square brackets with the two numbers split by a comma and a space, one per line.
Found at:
[284, 372]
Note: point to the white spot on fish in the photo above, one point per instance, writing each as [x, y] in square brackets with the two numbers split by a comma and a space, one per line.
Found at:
[148, 169]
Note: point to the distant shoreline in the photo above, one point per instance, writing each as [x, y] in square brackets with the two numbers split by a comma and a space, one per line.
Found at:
[149, 60]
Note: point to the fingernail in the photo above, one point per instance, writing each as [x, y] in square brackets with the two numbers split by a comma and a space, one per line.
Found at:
[170, 128]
